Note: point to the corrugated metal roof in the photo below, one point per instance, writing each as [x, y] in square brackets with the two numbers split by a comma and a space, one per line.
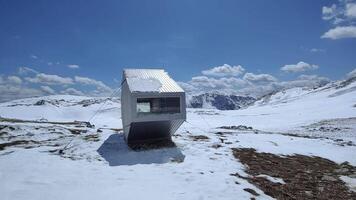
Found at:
[148, 79]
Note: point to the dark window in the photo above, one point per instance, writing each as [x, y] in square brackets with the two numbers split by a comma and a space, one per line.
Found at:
[158, 105]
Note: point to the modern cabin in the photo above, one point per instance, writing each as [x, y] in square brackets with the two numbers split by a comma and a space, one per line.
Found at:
[152, 105]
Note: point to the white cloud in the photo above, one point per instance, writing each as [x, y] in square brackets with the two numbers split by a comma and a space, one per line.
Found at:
[49, 79]
[27, 70]
[34, 57]
[224, 70]
[14, 79]
[47, 89]
[187, 87]
[217, 83]
[199, 84]
[329, 12]
[259, 90]
[10, 92]
[351, 10]
[49, 63]
[342, 14]
[11, 87]
[251, 85]
[88, 81]
[340, 32]
[255, 85]
[316, 50]
[352, 74]
[73, 66]
[226, 82]
[231, 85]
[259, 78]
[305, 81]
[72, 91]
[299, 67]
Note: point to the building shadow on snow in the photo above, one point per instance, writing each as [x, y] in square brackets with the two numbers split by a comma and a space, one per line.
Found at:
[116, 152]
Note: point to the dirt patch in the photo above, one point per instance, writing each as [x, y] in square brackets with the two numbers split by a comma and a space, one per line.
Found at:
[3, 133]
[251, 191]
[338, 141]
[77, 131]
[216, 146]
[10, 128]
[116, 129]
[199, 137]
[239, 127]
[92, 138]
[80, 123]
[17, 143]
[305, 177]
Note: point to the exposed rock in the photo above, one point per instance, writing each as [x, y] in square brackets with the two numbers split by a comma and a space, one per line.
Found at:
[199, 137]
[17, 143]
[40, 103]
[239, 127]
[216, 146]
[92, 138]
[251, 191]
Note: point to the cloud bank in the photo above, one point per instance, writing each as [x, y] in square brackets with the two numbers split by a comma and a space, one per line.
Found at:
[252, 84]
[299, 67]
[224, 70]
[29, 83]
[343, 16]
[340, 32]
[49, 79]
[73, 66]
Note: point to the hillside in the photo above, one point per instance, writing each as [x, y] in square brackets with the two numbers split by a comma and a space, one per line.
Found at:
[219, 154]
[220, 101]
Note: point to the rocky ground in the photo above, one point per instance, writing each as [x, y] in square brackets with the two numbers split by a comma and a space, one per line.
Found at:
[289, 176]
[47, 147]
[302, 177]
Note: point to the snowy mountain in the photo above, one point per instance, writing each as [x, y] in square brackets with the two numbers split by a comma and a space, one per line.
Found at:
[220, 101]
[47, 147]
[333, 89]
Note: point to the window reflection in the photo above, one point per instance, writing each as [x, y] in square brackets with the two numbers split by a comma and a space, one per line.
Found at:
[158, 105]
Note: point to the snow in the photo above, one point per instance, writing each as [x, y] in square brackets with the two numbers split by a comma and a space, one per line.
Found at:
[31, 174]
[286, 145]
[150, 80]
[350, 182]
[108, 169]
[286, 111]
[70, 109]
[272, 179]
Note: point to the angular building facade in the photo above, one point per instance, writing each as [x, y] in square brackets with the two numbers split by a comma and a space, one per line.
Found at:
[152, 105]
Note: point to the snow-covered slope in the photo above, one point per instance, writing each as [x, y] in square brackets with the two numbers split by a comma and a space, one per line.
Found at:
[48, 159]
[333, 89]
[65, 108]
[220, 101]
[290, 109]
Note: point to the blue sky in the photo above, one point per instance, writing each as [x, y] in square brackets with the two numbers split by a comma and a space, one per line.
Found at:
[100, 38]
